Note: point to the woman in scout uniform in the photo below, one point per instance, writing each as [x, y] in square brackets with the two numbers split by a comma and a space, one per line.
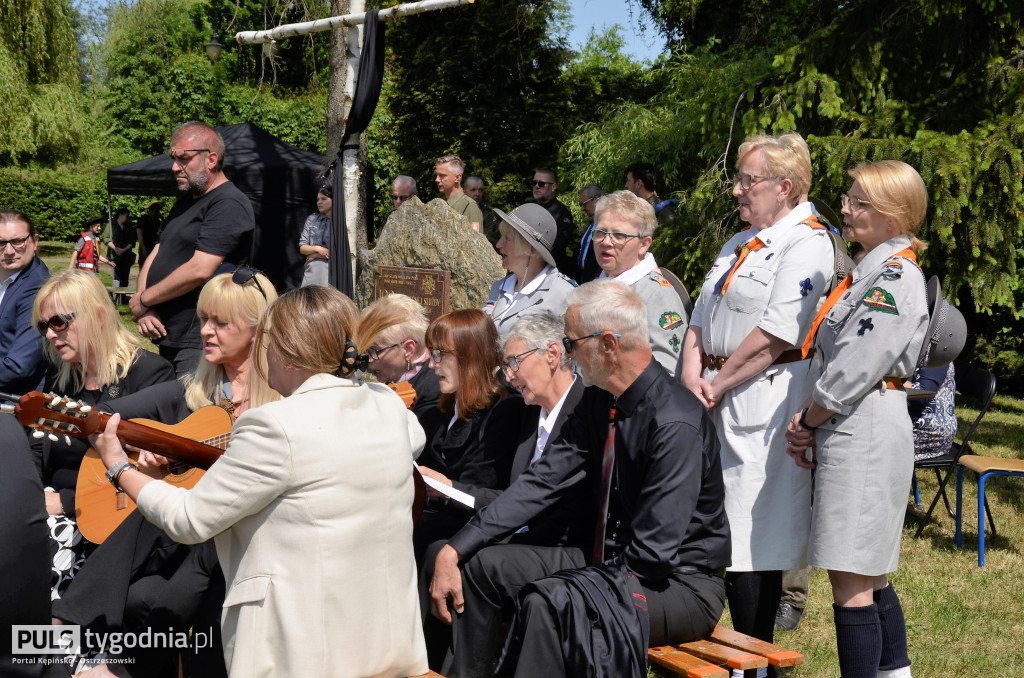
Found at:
[868, 336]
[533, 283]
[742, 360]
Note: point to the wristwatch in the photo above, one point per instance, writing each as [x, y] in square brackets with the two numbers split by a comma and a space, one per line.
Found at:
[803, 421]
[115, 471]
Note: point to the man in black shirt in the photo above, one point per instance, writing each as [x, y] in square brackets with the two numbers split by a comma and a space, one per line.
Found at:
[212, 224]
[545, 187]
[121, 245]
[665, 528]
[146, 229]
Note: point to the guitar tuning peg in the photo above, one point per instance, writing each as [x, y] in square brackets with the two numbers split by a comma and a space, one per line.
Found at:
[67, 440]
[52, 436]
[37, 434]
[72, 404]
[86, 408]
[55, 401]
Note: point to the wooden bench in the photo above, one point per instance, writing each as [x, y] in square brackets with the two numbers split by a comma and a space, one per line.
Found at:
[717, 656]
[119, 295]
[714, 657]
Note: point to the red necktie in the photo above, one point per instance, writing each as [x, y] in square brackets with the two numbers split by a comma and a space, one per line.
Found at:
[607, 463]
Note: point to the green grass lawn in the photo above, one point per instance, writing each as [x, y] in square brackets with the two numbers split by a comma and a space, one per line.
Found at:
[962, 620]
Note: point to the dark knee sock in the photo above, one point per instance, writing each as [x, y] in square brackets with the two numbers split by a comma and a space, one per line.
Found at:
[859, 640]
[753, 601]
[894, 630]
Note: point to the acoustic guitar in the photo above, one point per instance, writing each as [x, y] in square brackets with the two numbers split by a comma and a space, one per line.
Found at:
[99, 508]
[193, 445]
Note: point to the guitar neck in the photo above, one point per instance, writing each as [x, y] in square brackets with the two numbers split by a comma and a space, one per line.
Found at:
[169, 445]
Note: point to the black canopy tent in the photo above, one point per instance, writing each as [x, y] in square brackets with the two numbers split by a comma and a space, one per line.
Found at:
[281, 180]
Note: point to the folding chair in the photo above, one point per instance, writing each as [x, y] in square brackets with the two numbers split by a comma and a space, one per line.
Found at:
[971, 382]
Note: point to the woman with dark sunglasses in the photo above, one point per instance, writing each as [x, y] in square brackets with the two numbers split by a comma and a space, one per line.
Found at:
[93, 358]
[139, 576]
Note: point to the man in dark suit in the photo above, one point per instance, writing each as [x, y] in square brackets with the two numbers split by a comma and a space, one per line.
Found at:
[587, 267]
[535, 364]
[21, 273]
[647, 451]
[25, 560]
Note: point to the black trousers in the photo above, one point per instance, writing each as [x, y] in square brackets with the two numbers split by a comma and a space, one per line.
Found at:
[491, 578]
[684, 608]
[123, 268]
[681, 609]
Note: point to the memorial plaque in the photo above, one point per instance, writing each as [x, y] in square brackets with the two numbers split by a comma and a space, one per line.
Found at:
[429, 286]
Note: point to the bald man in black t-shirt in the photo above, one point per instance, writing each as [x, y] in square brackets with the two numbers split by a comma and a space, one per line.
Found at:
[210, 225]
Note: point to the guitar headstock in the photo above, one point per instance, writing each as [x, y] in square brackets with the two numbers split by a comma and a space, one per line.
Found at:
[49, 413]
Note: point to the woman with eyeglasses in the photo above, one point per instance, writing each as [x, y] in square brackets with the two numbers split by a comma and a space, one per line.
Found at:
[390, 333]
[623, 233]
[93, 358]
[533, 283]
[140, 576]
[473, 450]
[309, 508]
[535, 363]
[868, 336]
[314, 242]
[743, 361]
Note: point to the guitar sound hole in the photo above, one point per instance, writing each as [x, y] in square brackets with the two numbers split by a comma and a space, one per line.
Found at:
[178, 468]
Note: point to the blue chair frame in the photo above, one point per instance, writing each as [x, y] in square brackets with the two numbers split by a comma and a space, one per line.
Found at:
[984, 474]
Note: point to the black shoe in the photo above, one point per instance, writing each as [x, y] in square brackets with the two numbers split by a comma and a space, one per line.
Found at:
[787, 618]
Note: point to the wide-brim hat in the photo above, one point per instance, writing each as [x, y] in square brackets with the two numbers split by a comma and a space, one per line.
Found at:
[947, 329]
[536, 225]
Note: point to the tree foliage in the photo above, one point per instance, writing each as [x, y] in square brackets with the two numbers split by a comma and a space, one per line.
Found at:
[41, 117]
[483, 82]
[158, 76]
[935, 84]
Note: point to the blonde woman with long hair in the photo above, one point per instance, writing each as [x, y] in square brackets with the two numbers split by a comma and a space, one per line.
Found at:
[93, 358]
[230, 308]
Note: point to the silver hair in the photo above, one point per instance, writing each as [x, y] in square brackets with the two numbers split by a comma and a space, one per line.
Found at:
[592, 191]
[607, 305]
[540, 330]
[406, 179]
[630, 207]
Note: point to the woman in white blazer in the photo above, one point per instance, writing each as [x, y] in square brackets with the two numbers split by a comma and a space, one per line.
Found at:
[309, 509]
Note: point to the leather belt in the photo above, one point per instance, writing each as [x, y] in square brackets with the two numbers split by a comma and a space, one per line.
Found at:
[895, 383]
[716, 362]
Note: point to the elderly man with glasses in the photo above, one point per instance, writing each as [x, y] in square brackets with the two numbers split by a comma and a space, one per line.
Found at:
[623, 233]
[649, 569]
[210, 225]
[21, 273]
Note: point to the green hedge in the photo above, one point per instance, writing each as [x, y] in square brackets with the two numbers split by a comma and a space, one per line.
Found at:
[60, 201]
